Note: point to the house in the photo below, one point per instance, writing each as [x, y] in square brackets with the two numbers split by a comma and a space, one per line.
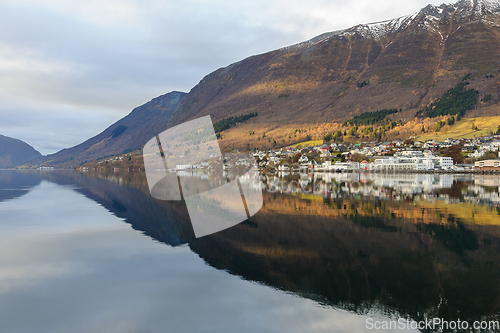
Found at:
[477, 154]
[387, 145]
[468, 148]
[303, 159]
[325, 154]
[398, 143]
[325, 147]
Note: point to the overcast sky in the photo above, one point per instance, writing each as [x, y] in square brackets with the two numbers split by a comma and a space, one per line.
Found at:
[69, 69]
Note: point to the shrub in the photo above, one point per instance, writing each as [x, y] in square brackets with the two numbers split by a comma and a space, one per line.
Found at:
[486, 97]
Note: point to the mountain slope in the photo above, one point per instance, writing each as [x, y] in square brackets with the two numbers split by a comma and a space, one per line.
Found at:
[14, 152]
[404, 64]
[128, 133]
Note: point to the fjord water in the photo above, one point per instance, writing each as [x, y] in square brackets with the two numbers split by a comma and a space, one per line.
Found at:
[96, 253]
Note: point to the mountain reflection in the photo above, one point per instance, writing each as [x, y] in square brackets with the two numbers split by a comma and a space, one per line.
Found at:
[14, 184]
[363, 254]
[402, 244]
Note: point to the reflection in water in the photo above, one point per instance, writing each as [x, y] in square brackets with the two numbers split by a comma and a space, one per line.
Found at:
[361, 255]
[68, 265]
[14, 184]
[125, 197]
[397, 245]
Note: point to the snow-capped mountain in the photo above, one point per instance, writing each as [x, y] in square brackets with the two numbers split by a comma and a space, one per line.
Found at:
[403, 63]
[429, 17]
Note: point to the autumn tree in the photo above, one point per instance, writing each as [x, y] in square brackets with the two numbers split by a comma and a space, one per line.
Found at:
[455, 152]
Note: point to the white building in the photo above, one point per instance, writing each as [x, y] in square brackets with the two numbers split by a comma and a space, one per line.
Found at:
[412, 163]
[409, 153]
[347, 166]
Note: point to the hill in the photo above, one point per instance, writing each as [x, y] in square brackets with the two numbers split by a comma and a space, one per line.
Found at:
[403, 64]
[467, 128]
[127, 134]
[14, 152]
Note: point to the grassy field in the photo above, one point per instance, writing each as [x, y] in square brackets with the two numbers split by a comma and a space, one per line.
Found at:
[308, 144]
[463, 129]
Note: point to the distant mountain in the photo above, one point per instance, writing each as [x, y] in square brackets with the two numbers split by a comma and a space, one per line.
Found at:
[14, 152]
[127, 134]
[405, 63]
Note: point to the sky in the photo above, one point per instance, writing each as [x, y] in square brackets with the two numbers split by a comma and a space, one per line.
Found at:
[69, 69]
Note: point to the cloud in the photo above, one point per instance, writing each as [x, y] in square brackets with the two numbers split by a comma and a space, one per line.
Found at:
[50, 128]
[116, 55]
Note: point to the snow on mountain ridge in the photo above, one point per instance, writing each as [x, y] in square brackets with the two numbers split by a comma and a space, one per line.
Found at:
[476, 9]
[427, 18]
[376, 30]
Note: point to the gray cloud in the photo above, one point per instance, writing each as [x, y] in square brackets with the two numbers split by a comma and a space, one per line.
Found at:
[88, 62]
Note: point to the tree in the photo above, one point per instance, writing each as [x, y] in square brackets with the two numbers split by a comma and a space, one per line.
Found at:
[408, 142]
[450, 121]
[296, 157]
[226, 123]
[439, 125]
[455, 152]
[489, 156]
[328, 137]
[370, 118]
[456, 101]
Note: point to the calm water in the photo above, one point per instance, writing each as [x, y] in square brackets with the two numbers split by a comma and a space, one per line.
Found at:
[96, 253]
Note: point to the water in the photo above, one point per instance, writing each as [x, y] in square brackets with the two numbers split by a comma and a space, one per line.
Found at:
[96, 253]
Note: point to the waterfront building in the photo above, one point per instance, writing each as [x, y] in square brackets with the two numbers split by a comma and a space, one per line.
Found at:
[429, 162]
[487, 165]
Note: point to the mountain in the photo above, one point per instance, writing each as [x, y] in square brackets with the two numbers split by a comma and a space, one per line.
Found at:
[14, 152]
[405, 63]
[127, 134]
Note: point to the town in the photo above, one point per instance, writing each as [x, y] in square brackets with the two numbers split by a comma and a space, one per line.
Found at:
[479, 154]
[452, 155]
